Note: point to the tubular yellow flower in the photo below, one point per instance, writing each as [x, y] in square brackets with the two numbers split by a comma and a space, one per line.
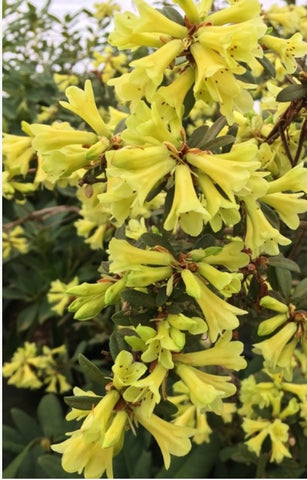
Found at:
[288, 206]
[82, 103]
[261, 236]
[18, 152]
[186, 209]
[123, 256]
[227, 283]
[219, 314]
[225, 352]
[172, 439]
[126, 371]
[57, 295]
[287, 49]
[271, 349]
[240, 11]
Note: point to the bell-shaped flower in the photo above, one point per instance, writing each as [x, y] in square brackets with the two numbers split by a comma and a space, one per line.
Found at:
[154, 65]
[171, 439]
[261, 236]
[221, 210]
[148, 125]
[230, 256]
[146, 390]
[288, 49]
[48, 138]
[227, 283]
[123, 256]
[142, 168]
[294, 179]
[18, 152]
[219, 314]
[238, 170]
[251, 427]
[288, 206]
[225, 352]
[175, 93]
[202, 393]
[114, 435]
[186, 209]
[238, 12]
[118, 198]
[82, 103]
[126, 371]
[235, 43]
[87, 457]
[279, 436]
[272, 348]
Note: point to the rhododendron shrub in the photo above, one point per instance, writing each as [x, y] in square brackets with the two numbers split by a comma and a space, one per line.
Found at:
[190, 188]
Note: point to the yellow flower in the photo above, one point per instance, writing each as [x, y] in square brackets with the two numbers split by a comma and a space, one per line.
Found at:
[186, 208]
[18, 153]
[124, 256]
[272, 348]
[64, 80]
[126, 371]
[57, 294]
[261, 236]
[22, 369]
[172, 439]
[14, 240]
[287, 49]
[225, 352]
[288, 206]
[82, 103]
[219, 314]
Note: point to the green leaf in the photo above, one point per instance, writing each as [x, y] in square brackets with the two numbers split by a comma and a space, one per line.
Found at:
[299, 296]
[137, 457]
[134, 297]
[267, 65]
[238, 453]
[172, 14]
[117, 344]
[218, 142]
[292, 92]
[282, 262]
[50, 415]
[11, 471]
[51, 465]
[189, 102]
[27, 317]
[197, 136]
[11, 441]
[26, 425]
[91, 370]
[215, 129]
[82, 402]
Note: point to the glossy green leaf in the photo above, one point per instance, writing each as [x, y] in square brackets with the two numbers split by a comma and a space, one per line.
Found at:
[292, 92]
[91, 370]
[82, 402]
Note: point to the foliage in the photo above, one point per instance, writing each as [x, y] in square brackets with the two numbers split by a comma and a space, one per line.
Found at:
[154, 251]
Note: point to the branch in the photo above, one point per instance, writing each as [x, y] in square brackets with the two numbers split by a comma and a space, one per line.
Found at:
[41, 214]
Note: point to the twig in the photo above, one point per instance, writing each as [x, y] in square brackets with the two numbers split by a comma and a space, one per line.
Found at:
[41, 214]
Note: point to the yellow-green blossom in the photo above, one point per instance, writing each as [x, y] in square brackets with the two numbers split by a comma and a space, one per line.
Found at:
[14, 240]
[57, 295]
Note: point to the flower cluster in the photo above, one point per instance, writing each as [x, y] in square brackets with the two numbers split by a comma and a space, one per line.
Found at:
[32, 369]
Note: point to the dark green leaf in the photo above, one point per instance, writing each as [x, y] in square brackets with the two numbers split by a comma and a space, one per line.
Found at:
[271, 215]
[134, 297]
[292, 92]
[215, 129]
[172, 14]
[27, 317]
[282, 262]
[117, 344]
[82, 402]
[189, 102]
[197, 136]
[26, 425]
[11, 441]
[161, 297]
[267, 65]
[11, 471]
[50, 415]
[218, 142]
[91, 370]
[299, 296]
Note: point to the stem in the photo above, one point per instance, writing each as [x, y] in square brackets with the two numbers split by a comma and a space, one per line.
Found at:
[263, 460]
[41, 214]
